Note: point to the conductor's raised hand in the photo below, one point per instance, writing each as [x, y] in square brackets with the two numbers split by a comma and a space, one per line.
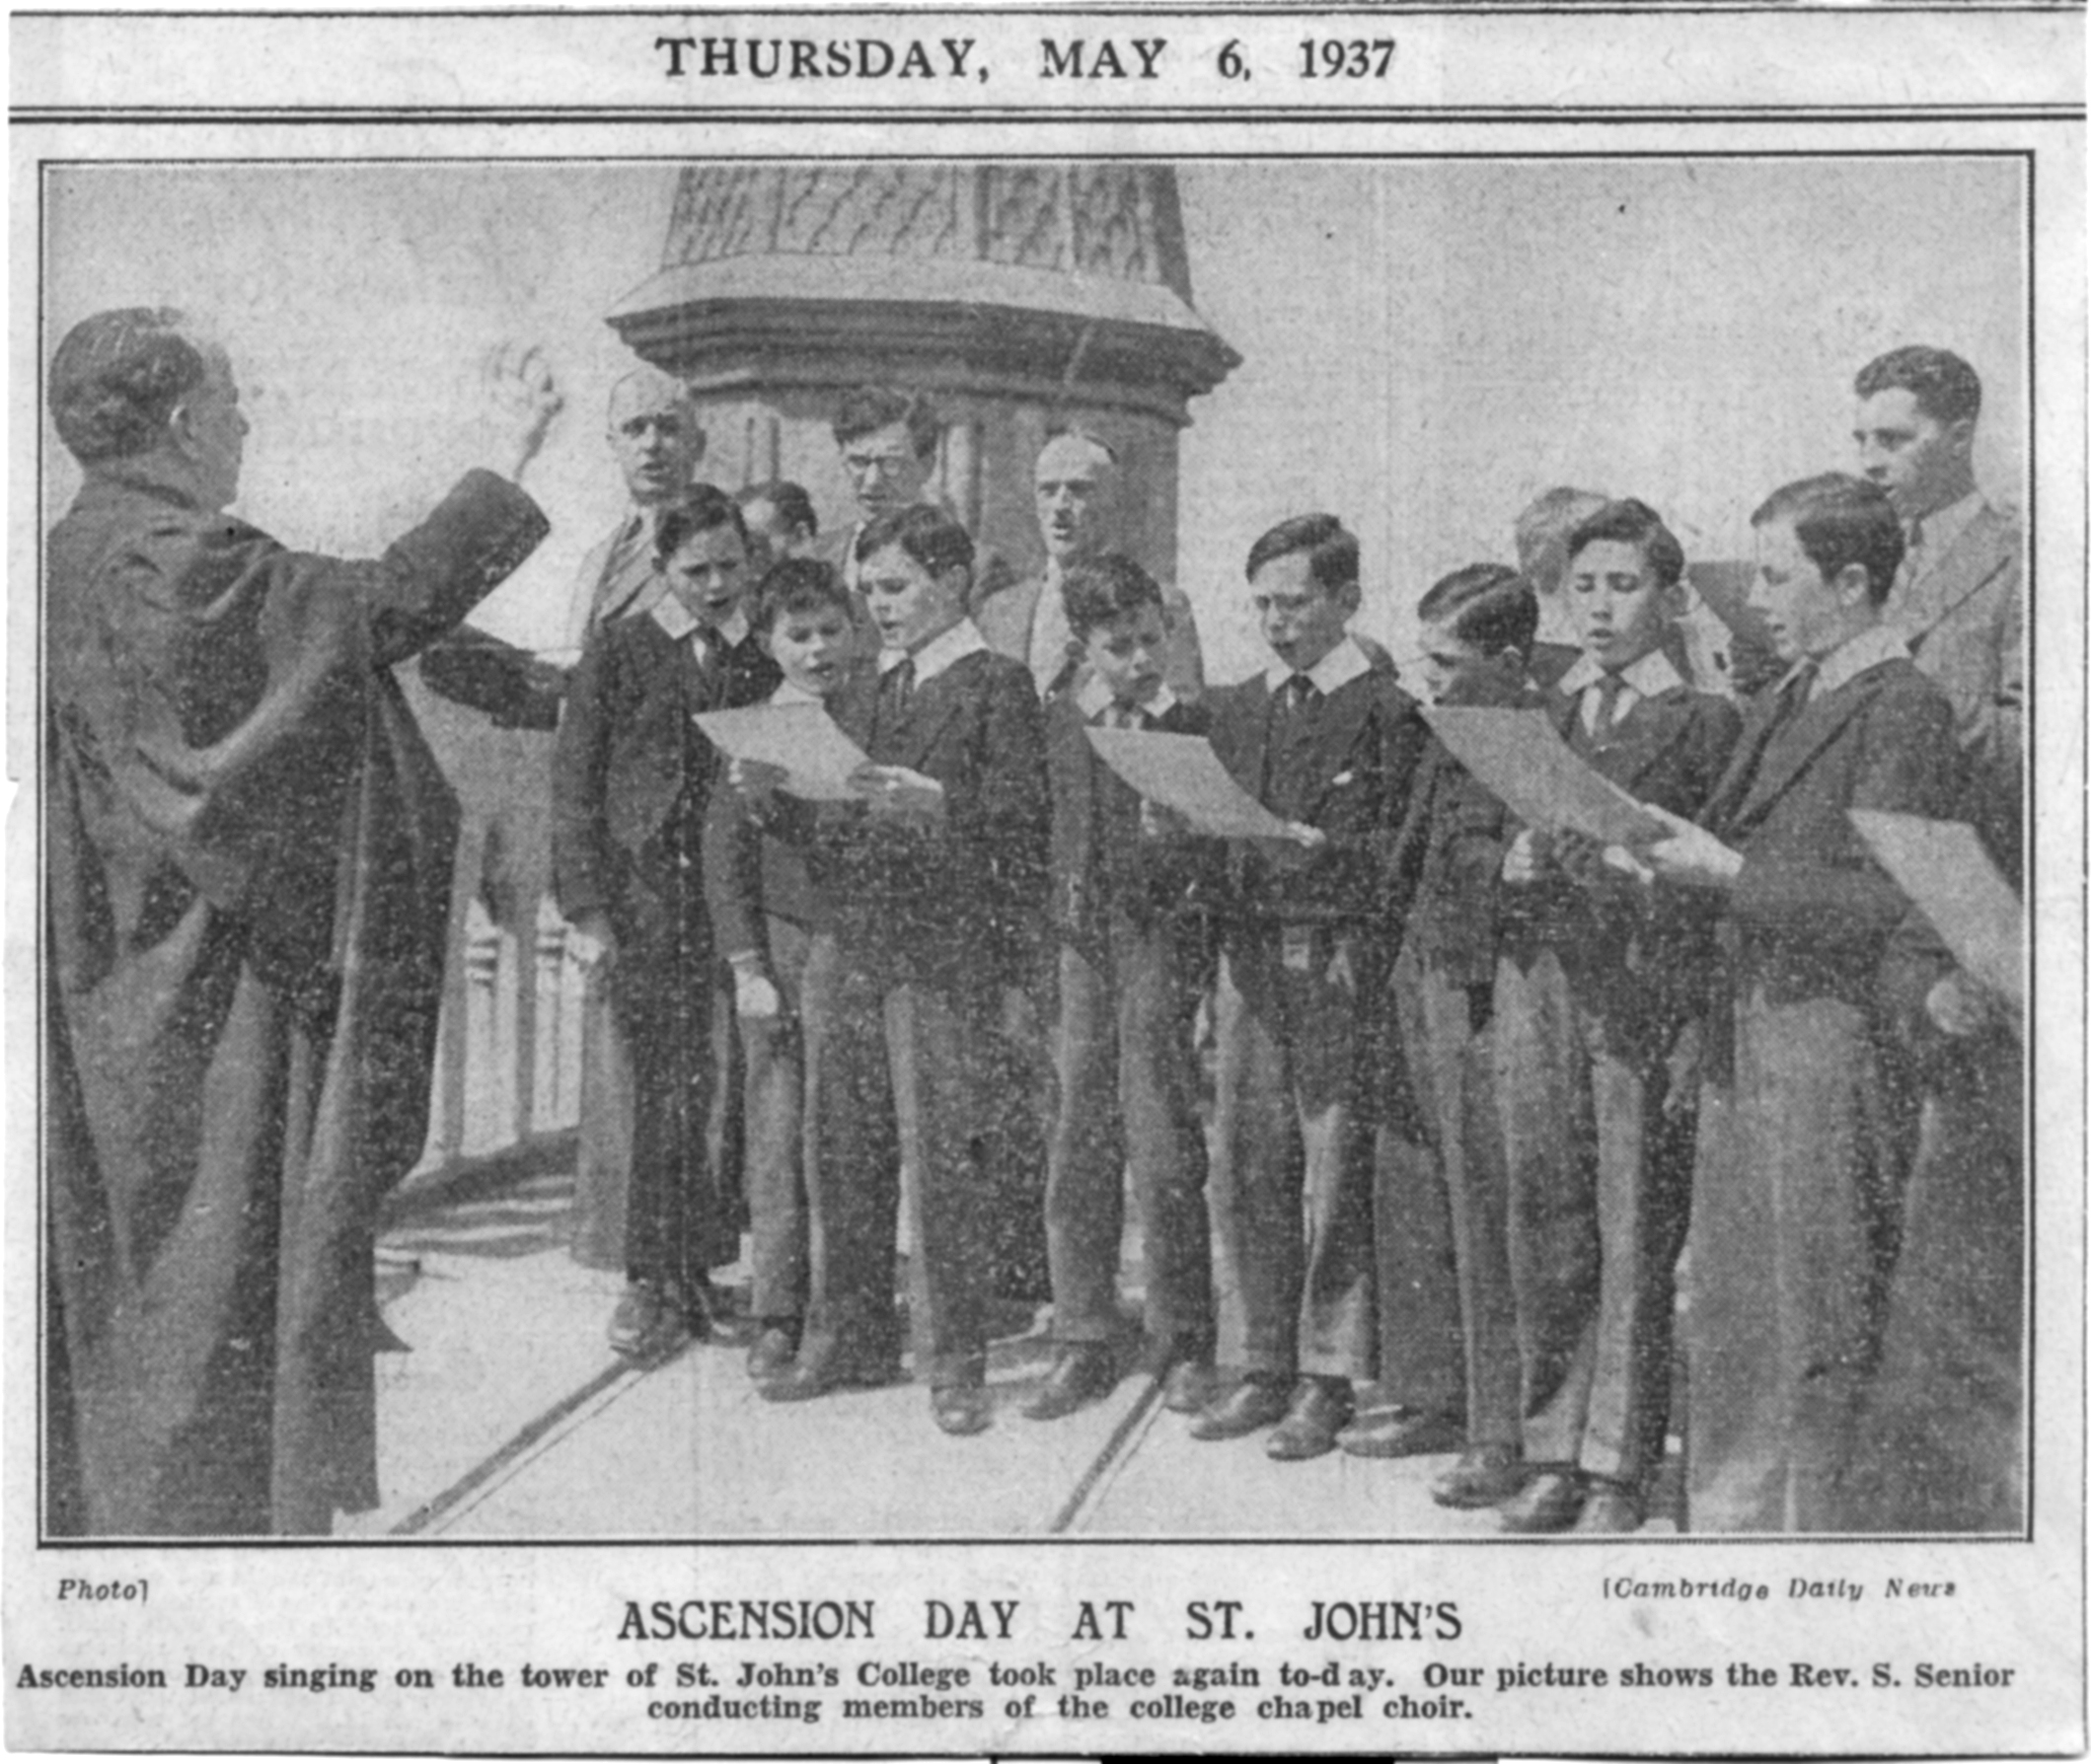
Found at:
[522, 396]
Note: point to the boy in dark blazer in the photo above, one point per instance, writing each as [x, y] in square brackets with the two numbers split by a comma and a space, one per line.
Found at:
[1593, 993]
[1807, 1116]
[632, 781]
[937, 881]
[1478, 628]
[1131, 966]
[1329, 742]
[766, 914]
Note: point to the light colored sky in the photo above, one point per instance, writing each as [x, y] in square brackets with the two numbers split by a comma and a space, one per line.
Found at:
[1428, 343]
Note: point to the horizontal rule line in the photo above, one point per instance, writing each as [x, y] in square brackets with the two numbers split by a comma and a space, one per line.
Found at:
[320, 114]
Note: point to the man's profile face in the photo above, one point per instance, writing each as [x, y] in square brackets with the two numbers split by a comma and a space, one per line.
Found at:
[885, 471]
[214, 429]
[1921, 463]
[1075, 483]
[1301, 620]
[655, 438]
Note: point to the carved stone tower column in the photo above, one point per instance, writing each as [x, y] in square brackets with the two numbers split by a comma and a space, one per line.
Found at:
[1021, 297]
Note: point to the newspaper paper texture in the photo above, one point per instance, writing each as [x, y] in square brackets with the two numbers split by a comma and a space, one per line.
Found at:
[1182, 772]
[802, 739]
[502, 1258]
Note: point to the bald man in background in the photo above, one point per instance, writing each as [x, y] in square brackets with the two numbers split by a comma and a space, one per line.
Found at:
[1078, 484]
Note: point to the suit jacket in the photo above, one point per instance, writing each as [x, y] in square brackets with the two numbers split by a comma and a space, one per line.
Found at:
[629, 758]
[1005, 616]
[1100, 862]
[1368, 743]
[1449, 856]
[1636, 949]
[599, 594]
[1964, 623]
[1811, 912]
[963, 902]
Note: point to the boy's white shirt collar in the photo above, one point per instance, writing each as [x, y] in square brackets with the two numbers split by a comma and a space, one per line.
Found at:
[1644, 677]
[1338, 668]
[1872, 647]
[679, 623]
[952, 644]
[1092, 698]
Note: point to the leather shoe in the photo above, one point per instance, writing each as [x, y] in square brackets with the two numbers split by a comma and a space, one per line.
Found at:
[774, 1351]
[1252, 1404]
[805, 1380]
[1484, 1476]
[647, 1324]
[1608, 1510]
[1082, 1373]
[1320, 1406]
[1187, 1386]
[1402, 1433]
[961, 1409]
[1550, 1502]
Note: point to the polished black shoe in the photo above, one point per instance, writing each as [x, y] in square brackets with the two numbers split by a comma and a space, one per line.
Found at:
[1610, 1510]
[1552, 1501]
[1253, 1404]
[1318, 1410]
[1189, 1386]
[961, 1409]
[1484, 1476]
[1082, 1372]
[1401, 1433]
[648, 1322]
[805, 1380]
[774, 1351]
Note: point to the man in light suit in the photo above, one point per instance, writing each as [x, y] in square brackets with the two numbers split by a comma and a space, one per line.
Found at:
[1078, 482]
[655, 439]
[1958, 599]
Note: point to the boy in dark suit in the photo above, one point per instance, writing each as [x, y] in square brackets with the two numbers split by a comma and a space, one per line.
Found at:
[1131, 969]
[1477, 631]
[1329, 742]
[632, 781]
[1806, 1120]
[766, 912]
[1592, 992]
[937, 880]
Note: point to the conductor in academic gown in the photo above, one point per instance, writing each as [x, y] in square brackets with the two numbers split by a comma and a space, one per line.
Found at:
[249, 851]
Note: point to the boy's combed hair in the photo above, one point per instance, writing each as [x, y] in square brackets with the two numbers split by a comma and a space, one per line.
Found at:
[1101, 589]
[794, 506]
[1488, 605]
[1839, 521]
[870, 408]
[1946, 389]
[928, 534]
[1332, 550]
[1632, 522]
[702, 507]
[800, 585]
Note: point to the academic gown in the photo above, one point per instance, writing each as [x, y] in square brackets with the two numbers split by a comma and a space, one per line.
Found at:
[248, 863]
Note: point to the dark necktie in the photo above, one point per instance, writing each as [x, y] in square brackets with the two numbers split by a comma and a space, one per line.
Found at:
[1610, 686]
[896, 688]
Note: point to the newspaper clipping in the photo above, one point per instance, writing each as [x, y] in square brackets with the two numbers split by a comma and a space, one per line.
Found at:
[1047, 882]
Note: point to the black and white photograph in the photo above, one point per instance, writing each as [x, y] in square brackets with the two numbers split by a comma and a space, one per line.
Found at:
[1213, 853]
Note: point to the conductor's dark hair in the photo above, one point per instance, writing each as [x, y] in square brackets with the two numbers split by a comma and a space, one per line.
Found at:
[1839, 521]
[118, 378]
[928, 534]
[1488, 605]
[1106, 588]
[800, 585]
[1330, 546]
[701, 508]
[794, 506]
[1946, 389]
[1632, 522]
[870, 408]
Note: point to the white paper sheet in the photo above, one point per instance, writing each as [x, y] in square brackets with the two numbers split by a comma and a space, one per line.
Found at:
[1520, 756]
[1182, 772]
[802, 738]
